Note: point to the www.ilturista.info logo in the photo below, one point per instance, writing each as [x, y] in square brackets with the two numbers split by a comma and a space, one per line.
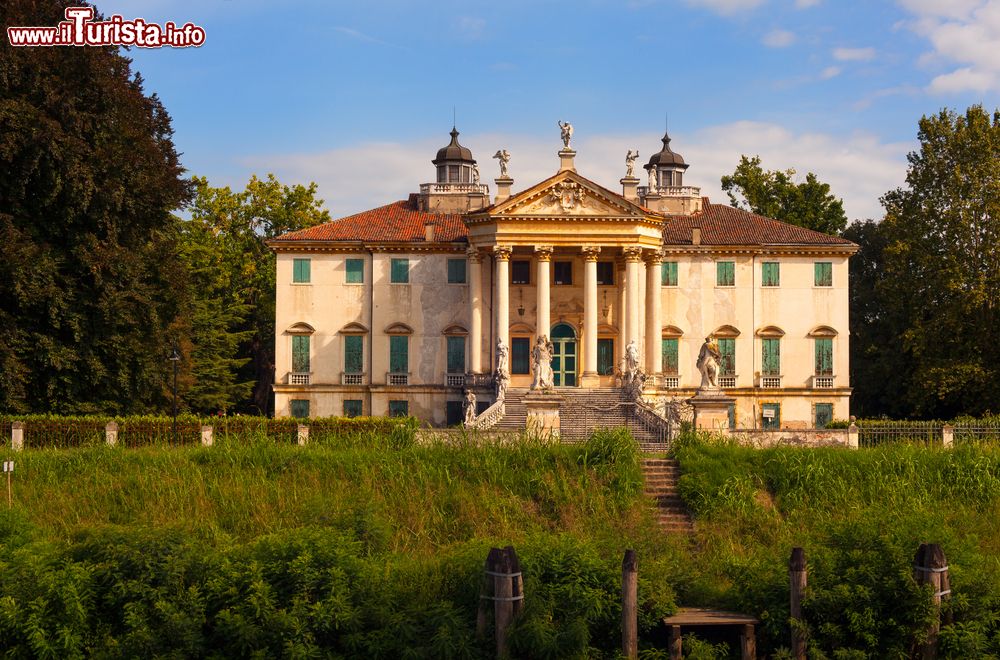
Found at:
[80, 29]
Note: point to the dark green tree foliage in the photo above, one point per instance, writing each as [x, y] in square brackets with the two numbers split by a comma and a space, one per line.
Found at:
[239, 224]
[88, 178]
[938, 313]
[776, 195]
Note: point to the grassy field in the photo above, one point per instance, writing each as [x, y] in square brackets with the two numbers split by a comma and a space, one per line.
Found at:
[373, 546]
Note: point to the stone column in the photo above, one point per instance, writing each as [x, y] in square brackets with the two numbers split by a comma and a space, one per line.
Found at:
[633, 262]
[543, 315]
[501, 255]
[589, 378]
[654, 325]
[621, 318]
[475, 311]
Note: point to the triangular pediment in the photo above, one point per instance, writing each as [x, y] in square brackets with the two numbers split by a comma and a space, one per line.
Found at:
[567, 194]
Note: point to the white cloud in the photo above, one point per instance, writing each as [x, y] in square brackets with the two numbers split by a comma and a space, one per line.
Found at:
[830, 72]
[964, 34]
[853, 54]
[470, 27]
[806, 4]
[858, 167]
[726, 7]
[778, 39]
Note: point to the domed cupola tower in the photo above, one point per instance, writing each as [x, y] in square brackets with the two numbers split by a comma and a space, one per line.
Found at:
[456, 188]
[666, 192]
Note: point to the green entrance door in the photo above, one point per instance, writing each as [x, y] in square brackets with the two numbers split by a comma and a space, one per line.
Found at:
[564, 355]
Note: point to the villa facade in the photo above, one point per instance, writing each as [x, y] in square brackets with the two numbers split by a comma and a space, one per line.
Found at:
[397, 310]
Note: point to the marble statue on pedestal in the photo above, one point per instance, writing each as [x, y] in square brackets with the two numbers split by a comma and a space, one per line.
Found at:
[567, 132]
[470, 407]
[504, 157]
[502, 375]
[709, 359]
[541, 363]
[630, 163]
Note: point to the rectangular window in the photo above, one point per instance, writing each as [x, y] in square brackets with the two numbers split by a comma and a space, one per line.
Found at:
[606, 357]
[563, 272]
[520, 272]
[454, 414]
[770, 273]
[668, 275]
[823, 415]
[606, 273]
[399, 271]
[669, 355]
[300, 408]
[399, 354]
[300, 354]
[824, 356]
[725, 273]
[399, 408]
[520, 355]
[354, 347]
[456, 355]
[727, 348]
[456, 271]
[301, 271]
[823, 273]
[353, 408]
[770, 414]
[355, 271]
[771, 357]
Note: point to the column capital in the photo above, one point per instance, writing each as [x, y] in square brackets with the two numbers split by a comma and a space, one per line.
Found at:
[632, 254]
[590, 252]
[652, 257]
[502, 252]
[474, 255]
[543, 252]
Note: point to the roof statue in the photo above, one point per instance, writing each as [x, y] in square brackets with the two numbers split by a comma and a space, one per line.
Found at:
[504, 157]
[652, 180]
[567, 132]
[630, 163]
[475, 174]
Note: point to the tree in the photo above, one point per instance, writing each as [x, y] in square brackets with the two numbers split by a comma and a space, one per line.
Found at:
[776, 195]
[88, 179]
[942, 266]
[240, 223]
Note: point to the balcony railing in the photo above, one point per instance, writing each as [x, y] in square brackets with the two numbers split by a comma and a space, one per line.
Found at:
[670, 382]
[822, 382]
[727, 382]
[352, 379]
[298, 377]
[671, 191]
[454, 380]
[453, 188]
[770, 382]
[479, 380]
[395, 378]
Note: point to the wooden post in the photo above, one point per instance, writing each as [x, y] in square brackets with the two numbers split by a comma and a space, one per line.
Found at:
[516, 580]
[931, 567]
[504, 605]
[486, 593]
[676, 650]
[630, 615]
[111, 433]
[206, 436]
[17, 436]
[797, 589]
[303, 435]
[748, 642]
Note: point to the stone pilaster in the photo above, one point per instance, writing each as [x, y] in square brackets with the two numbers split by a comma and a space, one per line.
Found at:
[501, 257]
[475, 310]
[654, 323]
[589, 376]
[543, 315]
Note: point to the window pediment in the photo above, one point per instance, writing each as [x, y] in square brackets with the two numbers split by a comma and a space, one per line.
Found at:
[455, 330]
[822, 331]
[398, 329]
[770, 332]
[354, 328]
[300, 328]
[671, 332]
[521, 328]
[726, 332]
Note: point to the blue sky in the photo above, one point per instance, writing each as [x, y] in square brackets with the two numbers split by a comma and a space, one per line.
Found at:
[358, 96]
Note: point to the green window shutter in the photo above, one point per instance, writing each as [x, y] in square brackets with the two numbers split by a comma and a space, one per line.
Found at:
[399, 271]
[354, 346]
[456, 355]
[824, 356]
[520, 355]
[770, 274]
[399, 408]
[823, 415]
[399, 354]
[823, 273]
[300, 408]
[669, 355]
[355, 271]
[353, 408]
[771, 358]
[300, 353]
[668, 275]
[771, 415]
[606, 357]
[727, 347]
[456, 271]
[732, 416]
[301, 271]
[725, 273]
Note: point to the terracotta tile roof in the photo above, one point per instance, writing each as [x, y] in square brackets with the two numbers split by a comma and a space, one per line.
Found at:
[396, 222]
[725, 225]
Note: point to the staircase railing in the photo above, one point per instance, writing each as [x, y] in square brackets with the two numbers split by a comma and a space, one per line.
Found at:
[653, 420]
[489, 417]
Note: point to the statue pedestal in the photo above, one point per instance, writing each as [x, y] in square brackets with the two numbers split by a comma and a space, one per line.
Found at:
[630, 188]
[503, 189]
[543, 413]
[566, 160]
[711, 410]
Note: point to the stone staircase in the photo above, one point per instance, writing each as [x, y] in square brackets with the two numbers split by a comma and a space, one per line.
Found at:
[661, 476]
